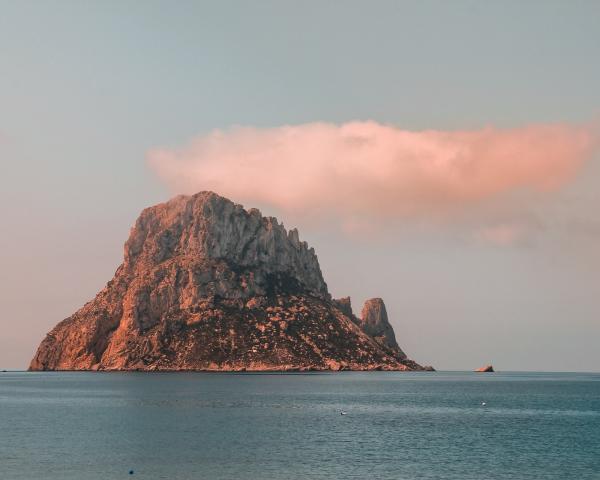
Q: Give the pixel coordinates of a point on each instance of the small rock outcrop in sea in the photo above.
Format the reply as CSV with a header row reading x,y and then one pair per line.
x,y
487,368
208,285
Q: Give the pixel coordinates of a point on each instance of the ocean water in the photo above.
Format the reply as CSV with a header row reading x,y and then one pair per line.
x,y
289,426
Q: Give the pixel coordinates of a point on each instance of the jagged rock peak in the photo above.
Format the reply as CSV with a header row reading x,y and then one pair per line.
x,y
206,226
374,321
208,285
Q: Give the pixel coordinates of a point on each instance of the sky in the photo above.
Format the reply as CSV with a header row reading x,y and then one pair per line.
x,y
440,155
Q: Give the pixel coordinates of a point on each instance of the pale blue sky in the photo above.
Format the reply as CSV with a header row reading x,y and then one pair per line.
x,y
86,88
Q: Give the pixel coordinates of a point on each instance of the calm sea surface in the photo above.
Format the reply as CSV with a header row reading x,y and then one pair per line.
x,y
227,426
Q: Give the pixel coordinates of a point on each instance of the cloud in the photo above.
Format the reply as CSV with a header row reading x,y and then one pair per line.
x,y
363,172
500,235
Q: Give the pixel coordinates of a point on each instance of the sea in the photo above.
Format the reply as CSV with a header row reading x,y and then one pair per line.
x,y
347,425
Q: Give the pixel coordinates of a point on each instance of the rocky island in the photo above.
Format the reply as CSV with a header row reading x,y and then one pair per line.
x,y
485,369
207,285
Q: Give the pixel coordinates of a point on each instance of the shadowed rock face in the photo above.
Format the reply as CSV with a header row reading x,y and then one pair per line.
x,y
345,306
208,285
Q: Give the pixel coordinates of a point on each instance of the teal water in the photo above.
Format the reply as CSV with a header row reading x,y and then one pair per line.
x,y
226,426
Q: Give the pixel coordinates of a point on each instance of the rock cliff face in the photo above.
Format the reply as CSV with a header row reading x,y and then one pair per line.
x,y
208,285
374,322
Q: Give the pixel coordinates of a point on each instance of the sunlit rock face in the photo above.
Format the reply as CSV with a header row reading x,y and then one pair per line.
x,y
208,285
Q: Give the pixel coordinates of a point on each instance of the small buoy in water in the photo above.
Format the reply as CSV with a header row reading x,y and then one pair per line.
x,y
343,413
130,472
483,404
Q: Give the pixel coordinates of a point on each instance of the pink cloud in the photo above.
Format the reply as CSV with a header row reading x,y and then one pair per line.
x,y
501,235
366,170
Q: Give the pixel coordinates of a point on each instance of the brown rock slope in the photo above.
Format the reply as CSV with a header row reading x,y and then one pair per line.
x,y
207,285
